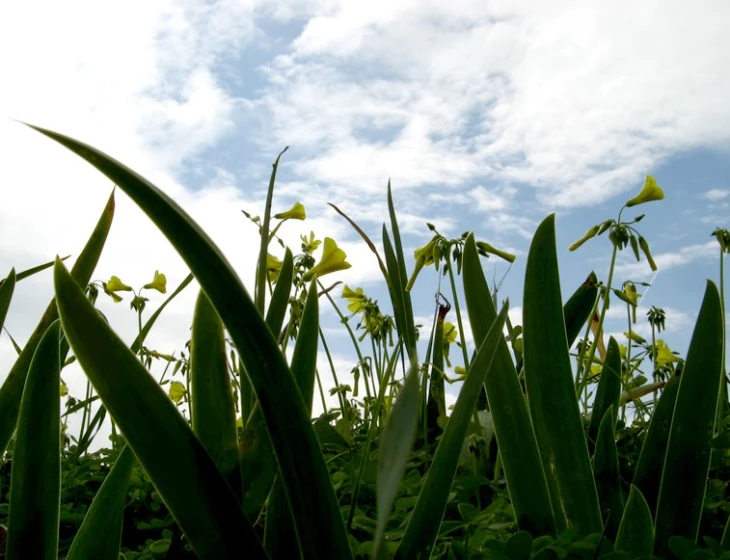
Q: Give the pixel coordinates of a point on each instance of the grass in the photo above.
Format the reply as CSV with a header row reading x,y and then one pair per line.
x,y
537,459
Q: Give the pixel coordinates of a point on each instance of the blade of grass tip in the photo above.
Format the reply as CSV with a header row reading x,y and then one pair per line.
x,y
261,273
213,413
367,240
6,295
608,391
396,442
299,457
518,449
607,475
31,271
281,539
636,532
436,401
654,448
100,534
403,279
423,527
577,310
687,462
280,298
182,471
12,389
551,392
139,341
35,478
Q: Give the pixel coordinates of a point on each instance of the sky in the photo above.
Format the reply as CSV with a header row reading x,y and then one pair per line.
x,y
486,116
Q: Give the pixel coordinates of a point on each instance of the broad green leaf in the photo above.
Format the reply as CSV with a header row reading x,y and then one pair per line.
x,y
281,539
515,436
423,527
207,511
6,295
35,479
100,534
687,462
607,475
396,442
608,391
139,341
551,393
12,389
301,465
213,412
636,532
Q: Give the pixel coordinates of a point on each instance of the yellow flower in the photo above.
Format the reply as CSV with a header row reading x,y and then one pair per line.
x,y
273,267
357,299
424,257
296,212
635,337
664,355
651,191
176,391
487,248
159,283
333,259
116,285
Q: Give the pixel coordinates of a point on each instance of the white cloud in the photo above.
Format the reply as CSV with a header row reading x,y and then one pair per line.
x,y
666,261
715,194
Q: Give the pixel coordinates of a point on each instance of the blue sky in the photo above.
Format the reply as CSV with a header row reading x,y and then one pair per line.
x,y
485,116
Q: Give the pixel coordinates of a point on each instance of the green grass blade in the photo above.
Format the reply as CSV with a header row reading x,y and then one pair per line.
x,y
687,461
182,471
301,464
551,393
280,298
213,412
423,527
436,403
396,442
608,391
100,534
12,389
31,271
139,341
35,480
281,538
654,448
577,310
6,295
515,436
607,476
636,532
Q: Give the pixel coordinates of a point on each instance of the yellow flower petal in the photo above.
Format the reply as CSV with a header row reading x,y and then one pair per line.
x,y
651,191
116,285
333,259
296,212
176,391
159,283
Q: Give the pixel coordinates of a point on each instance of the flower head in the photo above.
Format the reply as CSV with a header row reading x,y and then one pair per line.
x,y
333,259
651,191
356,298
296,212
273,267
116,285
159,283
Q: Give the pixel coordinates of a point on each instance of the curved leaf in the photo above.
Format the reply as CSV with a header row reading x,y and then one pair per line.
x,y
607,475
6,295
608,391
636,532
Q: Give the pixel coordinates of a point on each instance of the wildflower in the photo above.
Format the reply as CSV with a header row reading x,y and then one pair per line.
x,y
176,391
273,267
635,337
296,212
589,234
159,283
356,298
333,259
424,257
116,285
487,248
664,355
649,192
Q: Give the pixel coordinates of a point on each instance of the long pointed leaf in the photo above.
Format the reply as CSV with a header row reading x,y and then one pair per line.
x,y
300,460
184,474
687,462
515,436
607,476
426,518
551,393
636,532
35,479
608,391
6,295
100,534
12,389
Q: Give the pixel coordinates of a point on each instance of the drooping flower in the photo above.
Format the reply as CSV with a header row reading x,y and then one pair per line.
x,y
589,234
649,192
487,248
273,267
424,257
333,259
116,285
296,212
356,298
159,283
